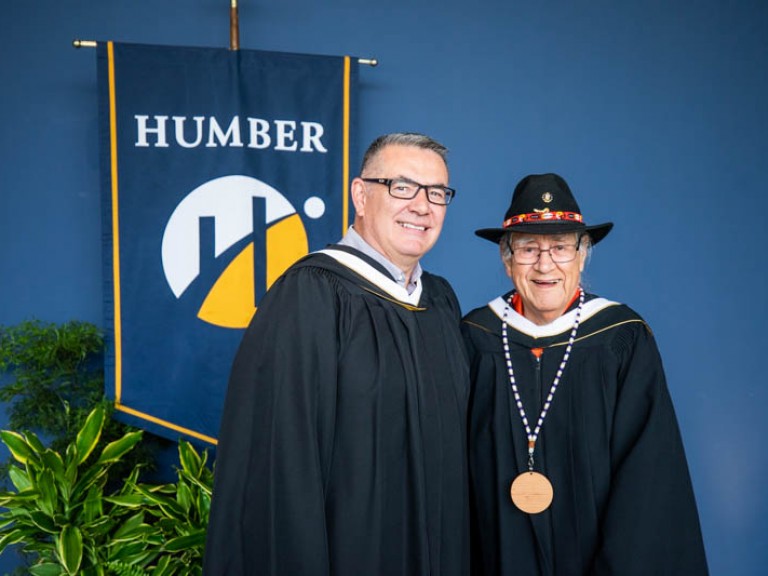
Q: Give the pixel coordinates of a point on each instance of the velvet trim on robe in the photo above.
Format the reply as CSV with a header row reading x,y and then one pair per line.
x,y
342,449
610,444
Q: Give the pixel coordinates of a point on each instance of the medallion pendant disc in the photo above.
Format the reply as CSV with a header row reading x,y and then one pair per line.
x,y
531,492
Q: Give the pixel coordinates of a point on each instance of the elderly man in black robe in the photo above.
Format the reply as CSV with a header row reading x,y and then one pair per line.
x,y
577,466
342,446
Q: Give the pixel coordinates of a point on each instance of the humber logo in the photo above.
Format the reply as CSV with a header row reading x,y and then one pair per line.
x,y
251,226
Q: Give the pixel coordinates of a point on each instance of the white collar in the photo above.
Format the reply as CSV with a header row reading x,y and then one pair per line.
x,y
374,276
557,326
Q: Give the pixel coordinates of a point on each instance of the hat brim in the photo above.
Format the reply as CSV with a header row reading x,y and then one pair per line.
x,y
596,232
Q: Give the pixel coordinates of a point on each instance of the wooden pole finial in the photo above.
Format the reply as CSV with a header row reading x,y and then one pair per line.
x,y
234,26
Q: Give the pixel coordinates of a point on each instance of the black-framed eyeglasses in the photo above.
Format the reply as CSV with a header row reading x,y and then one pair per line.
x,y
530,252
406,189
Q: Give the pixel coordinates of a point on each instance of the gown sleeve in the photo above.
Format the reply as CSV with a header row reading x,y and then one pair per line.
x,y
650,524
267,515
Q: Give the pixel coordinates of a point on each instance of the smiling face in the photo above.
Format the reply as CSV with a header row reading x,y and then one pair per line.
x,y
401,230
545,287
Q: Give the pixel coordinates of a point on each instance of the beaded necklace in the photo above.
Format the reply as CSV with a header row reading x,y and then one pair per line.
x,y
532,491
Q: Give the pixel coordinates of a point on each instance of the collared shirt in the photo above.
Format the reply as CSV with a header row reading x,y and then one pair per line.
x,y
354,240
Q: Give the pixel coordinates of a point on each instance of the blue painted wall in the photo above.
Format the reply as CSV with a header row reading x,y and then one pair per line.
x,y
655,112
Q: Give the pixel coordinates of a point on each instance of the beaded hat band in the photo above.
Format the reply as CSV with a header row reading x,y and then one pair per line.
x,y
544,204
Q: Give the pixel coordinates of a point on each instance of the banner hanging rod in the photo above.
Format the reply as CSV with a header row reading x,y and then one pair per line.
x,y
92,44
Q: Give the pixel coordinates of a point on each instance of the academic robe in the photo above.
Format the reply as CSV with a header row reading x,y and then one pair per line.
x,y
342,449
610,445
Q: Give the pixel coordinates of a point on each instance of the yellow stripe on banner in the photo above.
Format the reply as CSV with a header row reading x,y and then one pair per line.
x,y
166,424
115,223
345,177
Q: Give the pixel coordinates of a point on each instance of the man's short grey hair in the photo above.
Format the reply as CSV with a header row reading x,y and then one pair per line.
x,y
403,139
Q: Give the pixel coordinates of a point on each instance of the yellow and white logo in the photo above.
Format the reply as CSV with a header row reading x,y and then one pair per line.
x,y
230,201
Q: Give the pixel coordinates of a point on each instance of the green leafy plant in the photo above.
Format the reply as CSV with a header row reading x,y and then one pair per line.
x,y
56,376
53,378
61,516
58,512
180,513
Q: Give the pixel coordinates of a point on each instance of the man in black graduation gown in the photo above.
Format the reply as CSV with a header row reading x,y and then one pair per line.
x,y
569,402
342,446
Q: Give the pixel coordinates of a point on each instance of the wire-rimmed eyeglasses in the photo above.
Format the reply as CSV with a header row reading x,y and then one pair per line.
x,y
530,252
406,189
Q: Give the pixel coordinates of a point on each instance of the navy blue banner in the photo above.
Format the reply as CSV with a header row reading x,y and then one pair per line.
x,y
219,170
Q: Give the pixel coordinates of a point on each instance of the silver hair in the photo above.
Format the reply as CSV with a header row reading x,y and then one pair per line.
x,y
403,139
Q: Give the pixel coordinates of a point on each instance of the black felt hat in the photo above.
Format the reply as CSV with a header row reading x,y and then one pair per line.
x,y
544,204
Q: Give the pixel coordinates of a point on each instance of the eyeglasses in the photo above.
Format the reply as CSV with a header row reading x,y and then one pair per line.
x,y
406,189
529,253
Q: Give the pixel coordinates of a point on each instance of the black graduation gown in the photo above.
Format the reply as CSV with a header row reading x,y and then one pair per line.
x,y
610,444
343,441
